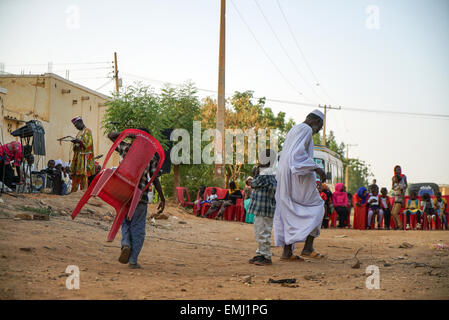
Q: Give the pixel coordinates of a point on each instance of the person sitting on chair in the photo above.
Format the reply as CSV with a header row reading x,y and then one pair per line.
x,y
412,207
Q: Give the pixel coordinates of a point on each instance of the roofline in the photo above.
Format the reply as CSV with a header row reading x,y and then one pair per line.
x,y
55,76
326,149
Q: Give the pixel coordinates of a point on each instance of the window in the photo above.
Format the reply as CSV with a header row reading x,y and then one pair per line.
x,y
319,162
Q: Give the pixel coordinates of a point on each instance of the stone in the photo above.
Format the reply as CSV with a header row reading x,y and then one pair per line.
x,y
24,216
41,217
406,245
247,279
356,265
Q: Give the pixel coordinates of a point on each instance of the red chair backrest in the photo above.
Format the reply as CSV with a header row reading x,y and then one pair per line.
x,y
127,176
221,193
180,195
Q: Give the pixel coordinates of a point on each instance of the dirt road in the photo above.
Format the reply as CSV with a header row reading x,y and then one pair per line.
x,y
185,257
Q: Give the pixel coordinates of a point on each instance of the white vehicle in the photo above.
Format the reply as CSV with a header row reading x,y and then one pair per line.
x,y
331,163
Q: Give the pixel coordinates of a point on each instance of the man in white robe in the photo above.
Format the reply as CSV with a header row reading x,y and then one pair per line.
x,y
299,207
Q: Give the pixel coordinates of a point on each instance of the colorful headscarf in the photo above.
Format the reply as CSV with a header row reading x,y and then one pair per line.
x,y
400,173
360,194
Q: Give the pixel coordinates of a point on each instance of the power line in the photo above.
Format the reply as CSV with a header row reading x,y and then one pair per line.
x,y
302,53
105,84
264,51
285,50
308,104
428,115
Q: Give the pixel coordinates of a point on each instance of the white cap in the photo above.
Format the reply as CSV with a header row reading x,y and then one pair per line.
x,y
318,113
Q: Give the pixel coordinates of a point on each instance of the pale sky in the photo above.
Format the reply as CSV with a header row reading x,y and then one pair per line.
x,y
398,62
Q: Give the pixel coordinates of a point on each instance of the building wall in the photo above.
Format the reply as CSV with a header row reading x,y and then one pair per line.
x,y
42,98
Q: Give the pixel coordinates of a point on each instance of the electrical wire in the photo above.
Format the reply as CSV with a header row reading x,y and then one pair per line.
x,y
318,83
308,104
105,84
265,52
285,51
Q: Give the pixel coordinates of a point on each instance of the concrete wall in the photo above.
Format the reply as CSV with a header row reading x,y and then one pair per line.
x,y
54,101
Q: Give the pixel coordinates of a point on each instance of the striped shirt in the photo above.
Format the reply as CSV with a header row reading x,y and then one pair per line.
x,y
263,203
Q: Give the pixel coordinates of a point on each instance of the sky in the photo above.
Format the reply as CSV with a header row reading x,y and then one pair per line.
x,y
390,55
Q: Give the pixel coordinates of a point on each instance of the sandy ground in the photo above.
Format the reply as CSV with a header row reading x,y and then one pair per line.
x,y
186,257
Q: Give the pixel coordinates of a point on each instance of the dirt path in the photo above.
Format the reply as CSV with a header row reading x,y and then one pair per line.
x,y
185,257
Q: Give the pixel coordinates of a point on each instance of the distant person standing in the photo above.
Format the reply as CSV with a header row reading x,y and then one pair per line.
x,y
83,164
399,185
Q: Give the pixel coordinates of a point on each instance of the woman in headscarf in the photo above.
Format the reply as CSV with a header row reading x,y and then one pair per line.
x,y
360,202
399,185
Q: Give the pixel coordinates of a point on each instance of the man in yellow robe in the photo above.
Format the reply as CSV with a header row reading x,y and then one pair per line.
x,y
83,164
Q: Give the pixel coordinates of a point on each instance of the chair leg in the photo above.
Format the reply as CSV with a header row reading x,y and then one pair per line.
x,y
120,216
104,177
135,200
85,196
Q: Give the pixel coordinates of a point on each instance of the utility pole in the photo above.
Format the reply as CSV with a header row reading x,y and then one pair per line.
x,y
116,73
323,138
220,126
347,165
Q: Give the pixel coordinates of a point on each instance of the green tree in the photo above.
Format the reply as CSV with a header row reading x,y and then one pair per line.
x,y
245,112
359,174
180,105
140,106
136,107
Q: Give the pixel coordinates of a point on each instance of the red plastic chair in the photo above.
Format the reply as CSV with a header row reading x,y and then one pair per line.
x,y
239,210
221,194
333,219
180,191
119,187
360,214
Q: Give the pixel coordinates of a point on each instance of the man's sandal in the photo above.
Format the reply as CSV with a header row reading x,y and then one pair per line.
x,y
292,258
313,255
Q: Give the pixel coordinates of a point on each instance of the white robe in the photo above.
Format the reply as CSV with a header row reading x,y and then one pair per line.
x,y
299,207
